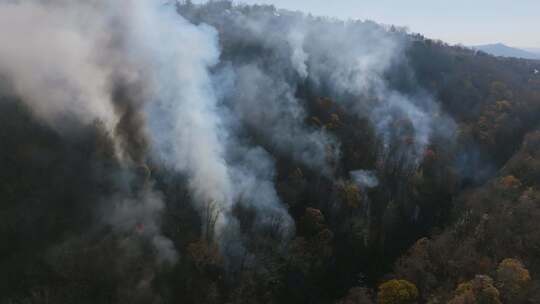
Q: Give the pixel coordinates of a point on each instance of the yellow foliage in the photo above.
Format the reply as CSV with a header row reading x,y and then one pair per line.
x,y
464,288
512,275
397,292
349,192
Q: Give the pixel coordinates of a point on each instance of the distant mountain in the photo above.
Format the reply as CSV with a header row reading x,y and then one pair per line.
x,y
532,50
503,50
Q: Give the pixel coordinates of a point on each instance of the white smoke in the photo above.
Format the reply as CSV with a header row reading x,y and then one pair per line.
x,y
146,41
60,57
347,60
299,57
265,66
351,58
48,54
186,130
365,178
268,105
253,176
202,107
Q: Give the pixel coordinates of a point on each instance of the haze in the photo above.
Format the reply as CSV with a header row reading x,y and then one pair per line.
x,y
464,22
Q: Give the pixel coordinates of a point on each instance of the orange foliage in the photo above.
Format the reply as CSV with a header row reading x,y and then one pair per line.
x,y
510,182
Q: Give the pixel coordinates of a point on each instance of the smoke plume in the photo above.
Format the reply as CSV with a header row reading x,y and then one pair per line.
x,y
145,73
209,92
273,53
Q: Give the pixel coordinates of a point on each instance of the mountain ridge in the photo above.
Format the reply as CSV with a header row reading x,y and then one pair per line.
x,y
502,50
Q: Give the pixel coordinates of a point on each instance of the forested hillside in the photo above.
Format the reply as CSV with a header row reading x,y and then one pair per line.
x,y
226,153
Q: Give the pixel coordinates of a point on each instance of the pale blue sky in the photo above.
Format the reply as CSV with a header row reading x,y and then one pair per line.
x,y
470,22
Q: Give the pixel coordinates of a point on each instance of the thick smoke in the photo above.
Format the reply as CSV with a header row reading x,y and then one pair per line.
x,y
273,53
185,126
191,133
145,73
356,76
48,53
70,62
263,73
209,94
266,104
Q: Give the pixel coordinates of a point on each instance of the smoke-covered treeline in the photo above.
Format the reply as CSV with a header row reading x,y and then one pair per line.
x,y
164,152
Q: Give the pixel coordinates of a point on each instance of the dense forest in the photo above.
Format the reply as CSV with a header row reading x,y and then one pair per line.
x,y
258,155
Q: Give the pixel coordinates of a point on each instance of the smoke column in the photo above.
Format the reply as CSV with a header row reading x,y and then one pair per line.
x,y
210,94
144,71
185,128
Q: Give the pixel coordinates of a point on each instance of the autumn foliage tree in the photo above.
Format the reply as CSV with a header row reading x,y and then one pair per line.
x,y
512,276
480,290
397,292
